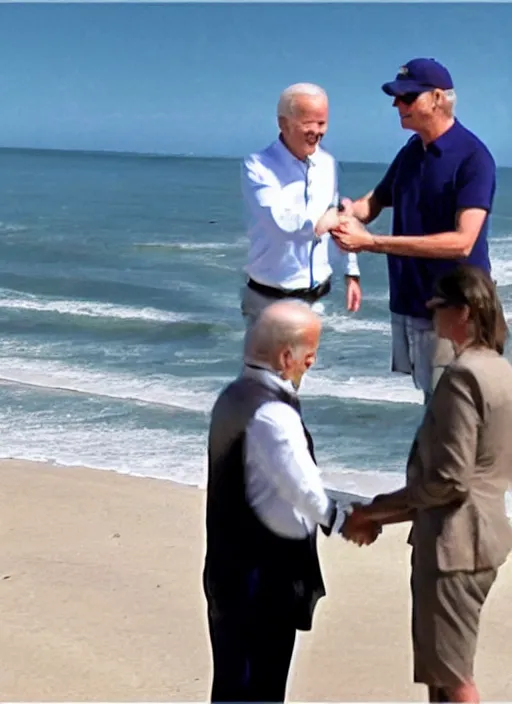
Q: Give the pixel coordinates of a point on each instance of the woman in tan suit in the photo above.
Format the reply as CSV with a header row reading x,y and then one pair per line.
x,y
459,468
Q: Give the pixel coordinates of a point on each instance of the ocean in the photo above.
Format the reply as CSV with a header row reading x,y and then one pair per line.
x,y
119,309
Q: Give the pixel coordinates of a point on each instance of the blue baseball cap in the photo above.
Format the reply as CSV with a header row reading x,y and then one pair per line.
x,y
418,76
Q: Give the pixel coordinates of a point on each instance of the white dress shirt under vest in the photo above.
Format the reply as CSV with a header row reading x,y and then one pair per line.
x,y
282,483
284,198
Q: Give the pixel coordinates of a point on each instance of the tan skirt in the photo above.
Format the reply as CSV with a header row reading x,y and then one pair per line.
x,y
445,619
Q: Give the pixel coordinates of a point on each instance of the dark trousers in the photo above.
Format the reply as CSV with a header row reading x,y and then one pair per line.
x,y
252,651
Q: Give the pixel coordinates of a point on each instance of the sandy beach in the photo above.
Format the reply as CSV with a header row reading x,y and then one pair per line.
x,y
100,579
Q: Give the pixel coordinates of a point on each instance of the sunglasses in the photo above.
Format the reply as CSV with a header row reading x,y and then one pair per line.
x,y
408,98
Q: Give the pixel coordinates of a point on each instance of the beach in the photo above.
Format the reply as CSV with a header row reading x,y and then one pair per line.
x,y
101,599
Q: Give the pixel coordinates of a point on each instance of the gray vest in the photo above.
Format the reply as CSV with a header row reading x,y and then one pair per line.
x,y
239,545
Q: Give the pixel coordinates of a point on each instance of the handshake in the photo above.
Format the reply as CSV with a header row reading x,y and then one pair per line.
x,y
358,527
348,233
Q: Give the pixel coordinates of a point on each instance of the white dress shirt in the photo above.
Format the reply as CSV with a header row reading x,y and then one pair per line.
x,y
282,483
283,200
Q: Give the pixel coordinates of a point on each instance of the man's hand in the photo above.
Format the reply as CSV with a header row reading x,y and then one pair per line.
x,y
327,222
347,207
330,220
351,236
353,293
359,529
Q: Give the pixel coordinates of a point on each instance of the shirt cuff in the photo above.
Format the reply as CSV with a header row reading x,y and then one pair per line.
x,y
337,518
351,265
332,515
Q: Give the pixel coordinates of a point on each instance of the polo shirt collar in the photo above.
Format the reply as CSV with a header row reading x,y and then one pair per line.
x,y
445,141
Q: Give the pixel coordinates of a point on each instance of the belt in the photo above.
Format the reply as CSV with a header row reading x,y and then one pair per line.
x,y
307,294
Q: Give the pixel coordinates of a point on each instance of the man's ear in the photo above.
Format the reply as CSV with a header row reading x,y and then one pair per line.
x,y
438,97
282,122
283,359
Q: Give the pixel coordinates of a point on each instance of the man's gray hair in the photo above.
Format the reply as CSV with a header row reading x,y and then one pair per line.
x,y
450,100
282,324
286,104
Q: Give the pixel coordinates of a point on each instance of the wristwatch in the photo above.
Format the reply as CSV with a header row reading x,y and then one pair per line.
x,y
340,208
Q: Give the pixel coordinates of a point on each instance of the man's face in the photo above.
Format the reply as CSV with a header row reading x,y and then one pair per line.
x,y
416,110
303,131
295,363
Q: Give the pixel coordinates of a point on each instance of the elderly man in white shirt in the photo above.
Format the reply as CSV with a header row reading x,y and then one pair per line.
x,y
265,500
286,189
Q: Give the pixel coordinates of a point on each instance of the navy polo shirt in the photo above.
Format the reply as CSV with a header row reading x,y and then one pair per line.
x,y
426,187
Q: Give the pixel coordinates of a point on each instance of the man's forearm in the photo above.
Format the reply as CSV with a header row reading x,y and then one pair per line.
x,y
387,506
363,211
399,517
445,245
367,208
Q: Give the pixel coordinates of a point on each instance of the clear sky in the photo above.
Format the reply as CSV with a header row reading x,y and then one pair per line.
x,y
205,78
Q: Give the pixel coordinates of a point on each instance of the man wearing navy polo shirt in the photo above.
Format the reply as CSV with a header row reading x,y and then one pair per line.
x,y
441,188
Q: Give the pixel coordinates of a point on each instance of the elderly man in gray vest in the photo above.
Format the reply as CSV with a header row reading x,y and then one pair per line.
x,y
265,499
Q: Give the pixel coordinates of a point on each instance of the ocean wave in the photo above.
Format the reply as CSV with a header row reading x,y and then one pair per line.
x,y
9,227
196,395
395,389
144,452
363,482
191,246
94,309
376,297
347,323
502,271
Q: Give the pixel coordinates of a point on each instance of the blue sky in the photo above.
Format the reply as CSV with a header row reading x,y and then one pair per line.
x,y
205,78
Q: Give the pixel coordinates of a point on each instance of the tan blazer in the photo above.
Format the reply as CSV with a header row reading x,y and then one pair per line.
x,y
460,466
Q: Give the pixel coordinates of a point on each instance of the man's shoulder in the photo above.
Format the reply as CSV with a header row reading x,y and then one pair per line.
x,y
247,392
261,167
411,145
472,145
411,148
235,405
325,156
264,157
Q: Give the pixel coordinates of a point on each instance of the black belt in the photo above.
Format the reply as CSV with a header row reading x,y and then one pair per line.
x,y
307,294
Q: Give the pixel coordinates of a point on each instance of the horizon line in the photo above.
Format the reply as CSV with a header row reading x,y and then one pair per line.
x,y
151,155
165,155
